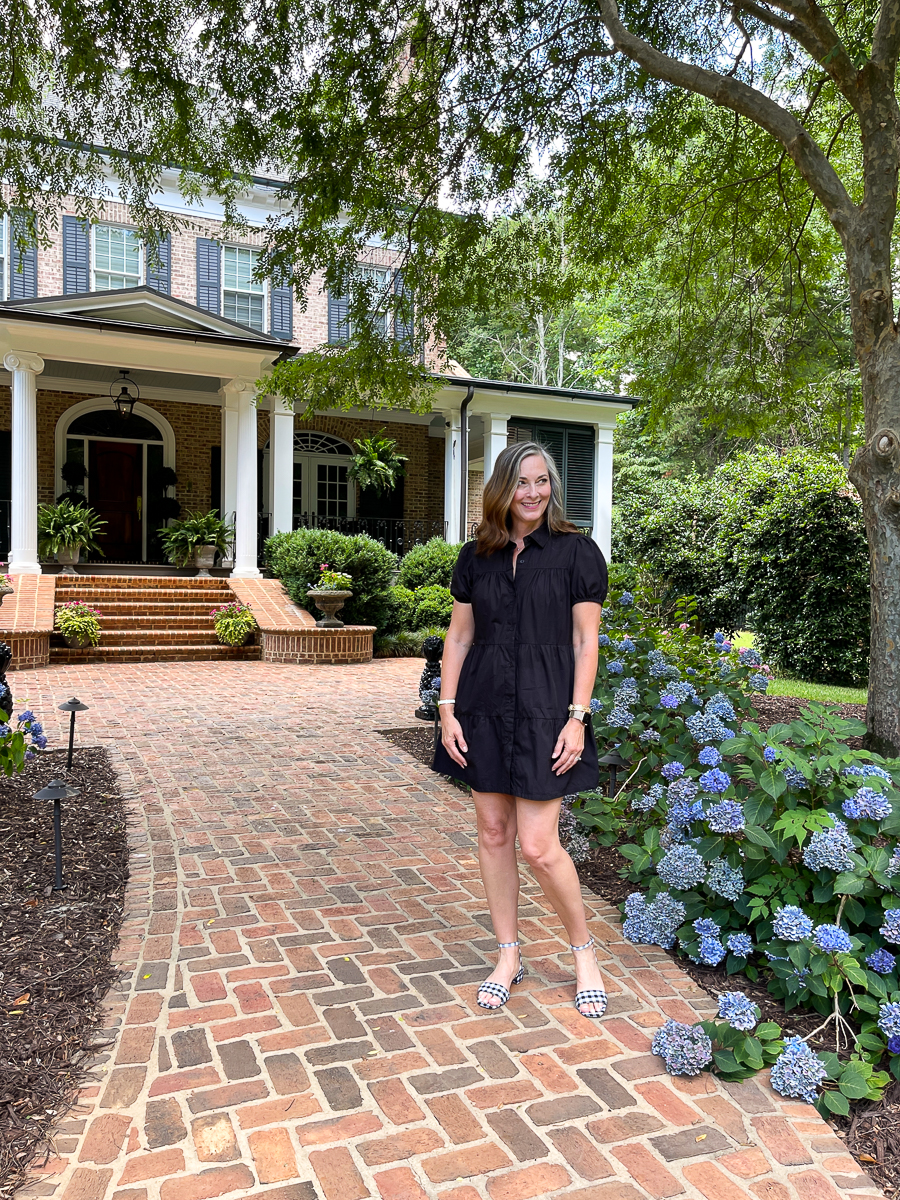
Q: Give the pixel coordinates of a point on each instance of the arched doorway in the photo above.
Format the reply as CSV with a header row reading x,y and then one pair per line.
x,y
124,460
322,491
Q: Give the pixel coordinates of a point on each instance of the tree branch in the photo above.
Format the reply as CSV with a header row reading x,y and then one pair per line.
x,y
812,30
806,154
886,39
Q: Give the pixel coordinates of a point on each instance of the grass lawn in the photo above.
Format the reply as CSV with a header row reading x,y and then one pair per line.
x,y
822,692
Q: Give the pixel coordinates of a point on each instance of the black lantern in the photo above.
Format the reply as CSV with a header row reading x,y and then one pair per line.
x,y
57,790
72,706
128,395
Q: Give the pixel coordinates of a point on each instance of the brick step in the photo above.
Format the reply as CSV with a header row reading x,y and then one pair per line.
x,y
61,655
161,621
184,583
142,635
98,596
160,610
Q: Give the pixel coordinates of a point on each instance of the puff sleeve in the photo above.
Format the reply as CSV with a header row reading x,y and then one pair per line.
x,y
461,583
589,575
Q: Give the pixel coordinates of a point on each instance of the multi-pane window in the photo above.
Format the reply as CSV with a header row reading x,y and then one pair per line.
x,y
379,282
117,258
244,298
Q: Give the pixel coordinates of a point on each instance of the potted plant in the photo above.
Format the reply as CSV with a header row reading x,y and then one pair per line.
x,y
235,623
74,473
377,463
78,624
66,528
197,539
6,584
328,594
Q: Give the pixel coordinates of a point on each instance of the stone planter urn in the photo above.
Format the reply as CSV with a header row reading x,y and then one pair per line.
x,y
204,558
77,643
67,557
329,603
5,589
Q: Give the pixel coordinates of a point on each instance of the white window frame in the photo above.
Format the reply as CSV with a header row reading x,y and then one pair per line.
x,y
6,253
384,281
264,285
105,271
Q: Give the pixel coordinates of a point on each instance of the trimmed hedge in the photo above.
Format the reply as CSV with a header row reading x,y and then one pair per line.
x,y
428,565
295,559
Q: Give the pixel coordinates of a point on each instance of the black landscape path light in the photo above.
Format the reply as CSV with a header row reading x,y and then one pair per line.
x,y
72,706
613,762
57,790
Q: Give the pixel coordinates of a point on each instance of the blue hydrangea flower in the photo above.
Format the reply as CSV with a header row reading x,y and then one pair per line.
x,y
865,770
893,1045
881,961
667,700
706,727
740,944
795,779
436,684
620,718
770,754
867,804
798,1071
626,600
758,682
683,692
644,801
718,638
715,781
39,740
649,735
683,790
672,770
894,865
889,1019
652,924
720,706
739,1011
27,715
5,730
615,668
689,671
626,646
596,706
707,927
791,924
603,640
725,880
627,694
709,757
711,951
890,930
681,868
726,817
830,848
833,939
686,1049
750,657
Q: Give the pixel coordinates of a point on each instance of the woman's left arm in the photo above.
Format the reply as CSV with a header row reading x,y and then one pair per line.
x,y
585,628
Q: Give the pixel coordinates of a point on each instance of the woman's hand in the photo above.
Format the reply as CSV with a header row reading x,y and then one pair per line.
x,y
452,738
569,746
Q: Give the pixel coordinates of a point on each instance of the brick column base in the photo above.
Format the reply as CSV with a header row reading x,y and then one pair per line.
x,y
28,649
352,644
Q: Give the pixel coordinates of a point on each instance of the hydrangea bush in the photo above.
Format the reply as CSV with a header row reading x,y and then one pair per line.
x,y
15,748
771,853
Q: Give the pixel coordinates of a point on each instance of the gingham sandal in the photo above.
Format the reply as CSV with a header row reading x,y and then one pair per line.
x,y
497,989
586,996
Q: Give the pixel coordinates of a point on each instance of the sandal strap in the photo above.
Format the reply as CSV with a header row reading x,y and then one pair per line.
x,y
587,945
506,945
590,994
495,989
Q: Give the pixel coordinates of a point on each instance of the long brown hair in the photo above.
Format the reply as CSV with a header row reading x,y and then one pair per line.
x,y
493,532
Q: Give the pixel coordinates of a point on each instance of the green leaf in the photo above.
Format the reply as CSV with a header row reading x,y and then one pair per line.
x,y
725,1060
758,836
836,1103
848,884
773,782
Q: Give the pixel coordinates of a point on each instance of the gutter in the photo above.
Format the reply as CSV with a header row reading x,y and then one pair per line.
x,y
464,459
535,389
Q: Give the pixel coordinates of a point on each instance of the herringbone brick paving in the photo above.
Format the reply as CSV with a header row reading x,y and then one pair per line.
x,y
305,933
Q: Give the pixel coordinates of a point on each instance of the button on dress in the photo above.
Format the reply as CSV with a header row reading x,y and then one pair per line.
x,y
516,682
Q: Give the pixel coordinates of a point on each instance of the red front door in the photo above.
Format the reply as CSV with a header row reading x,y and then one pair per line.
x,y
115,488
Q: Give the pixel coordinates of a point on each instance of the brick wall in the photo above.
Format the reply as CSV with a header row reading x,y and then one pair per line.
x,y
476,488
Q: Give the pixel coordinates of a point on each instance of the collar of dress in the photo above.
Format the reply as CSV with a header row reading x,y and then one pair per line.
x,y
540,536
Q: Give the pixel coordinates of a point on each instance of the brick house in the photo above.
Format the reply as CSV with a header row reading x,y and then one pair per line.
x,y
188,331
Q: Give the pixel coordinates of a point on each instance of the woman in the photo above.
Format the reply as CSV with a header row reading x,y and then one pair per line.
x,y
516,679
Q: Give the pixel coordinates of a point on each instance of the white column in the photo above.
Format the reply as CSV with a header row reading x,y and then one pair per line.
x,y
229,454
452,430
495,434
23,542
281,466
603,489
243,394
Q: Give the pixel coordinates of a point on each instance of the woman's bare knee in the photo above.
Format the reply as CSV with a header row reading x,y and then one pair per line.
x,y
543,854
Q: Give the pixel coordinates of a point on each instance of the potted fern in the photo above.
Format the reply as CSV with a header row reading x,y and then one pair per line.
x,y
377,463
197,539
65,529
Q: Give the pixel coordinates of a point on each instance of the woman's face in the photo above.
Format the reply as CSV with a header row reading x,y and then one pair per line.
x,y
533,492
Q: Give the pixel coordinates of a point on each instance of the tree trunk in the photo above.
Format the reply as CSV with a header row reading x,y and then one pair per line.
x,y
875,472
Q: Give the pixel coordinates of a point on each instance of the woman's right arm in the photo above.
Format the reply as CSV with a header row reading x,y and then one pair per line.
x,y
459,640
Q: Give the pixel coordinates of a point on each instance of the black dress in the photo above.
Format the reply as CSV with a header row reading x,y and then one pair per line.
x,y
515,687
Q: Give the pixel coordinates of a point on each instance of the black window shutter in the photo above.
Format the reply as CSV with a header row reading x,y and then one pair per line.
x,y
22,261
158,266
579,476
338,317
76,255
281,317
209,275
404,316
554,438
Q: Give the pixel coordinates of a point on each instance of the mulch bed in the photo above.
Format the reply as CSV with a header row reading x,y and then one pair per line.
x,y
872,1131
55,947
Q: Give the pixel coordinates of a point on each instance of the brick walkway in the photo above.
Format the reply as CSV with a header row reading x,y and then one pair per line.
x,y
305,933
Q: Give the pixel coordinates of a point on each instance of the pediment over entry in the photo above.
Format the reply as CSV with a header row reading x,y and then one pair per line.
x,y
138,306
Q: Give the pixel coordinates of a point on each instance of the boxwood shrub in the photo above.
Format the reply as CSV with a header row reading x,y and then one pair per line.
x,y
295,558
430,564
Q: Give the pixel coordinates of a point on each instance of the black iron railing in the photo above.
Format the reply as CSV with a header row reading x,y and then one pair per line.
x,y
396,533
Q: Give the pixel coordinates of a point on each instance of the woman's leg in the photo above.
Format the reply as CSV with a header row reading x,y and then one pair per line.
x,y
538,826
495,815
